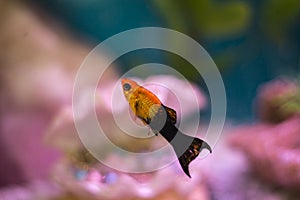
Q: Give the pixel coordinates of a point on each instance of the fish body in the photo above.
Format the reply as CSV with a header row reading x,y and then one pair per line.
x,y
162,119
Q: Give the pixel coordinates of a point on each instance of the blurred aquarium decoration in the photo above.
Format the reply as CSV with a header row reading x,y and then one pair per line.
x,y
255,45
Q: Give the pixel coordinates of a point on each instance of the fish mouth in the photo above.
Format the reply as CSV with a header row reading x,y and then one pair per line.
x,y
125,80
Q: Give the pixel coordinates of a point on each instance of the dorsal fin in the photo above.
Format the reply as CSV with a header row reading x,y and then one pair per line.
x,y
171,114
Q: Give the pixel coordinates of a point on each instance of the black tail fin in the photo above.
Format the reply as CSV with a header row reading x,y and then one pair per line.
x,y
191,152
187,148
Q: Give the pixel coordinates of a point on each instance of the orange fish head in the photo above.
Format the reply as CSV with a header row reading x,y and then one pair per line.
x,y
129,86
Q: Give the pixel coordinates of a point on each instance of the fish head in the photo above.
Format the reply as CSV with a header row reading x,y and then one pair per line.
x,y
128,86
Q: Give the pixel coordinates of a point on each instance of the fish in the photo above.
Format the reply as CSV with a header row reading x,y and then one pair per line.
x,y
162,119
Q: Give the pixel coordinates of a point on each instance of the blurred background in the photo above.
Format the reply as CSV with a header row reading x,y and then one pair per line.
x,y
255,44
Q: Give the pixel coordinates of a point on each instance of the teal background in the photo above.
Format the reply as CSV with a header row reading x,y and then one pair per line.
x,y
251,42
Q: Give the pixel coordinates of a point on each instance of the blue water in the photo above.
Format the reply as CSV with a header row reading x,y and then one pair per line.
x,y
254,58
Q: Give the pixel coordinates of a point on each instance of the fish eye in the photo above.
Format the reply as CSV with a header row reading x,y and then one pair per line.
x,y
126,87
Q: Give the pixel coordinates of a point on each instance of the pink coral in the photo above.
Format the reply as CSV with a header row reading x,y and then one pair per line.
x,y
97,184
38,68
273,151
